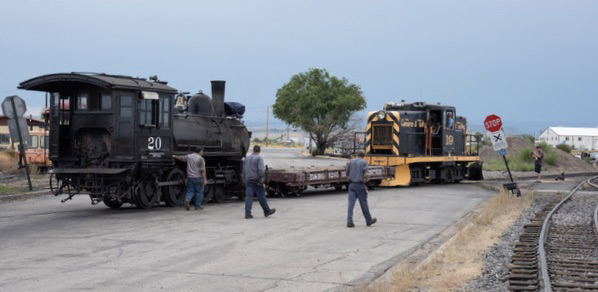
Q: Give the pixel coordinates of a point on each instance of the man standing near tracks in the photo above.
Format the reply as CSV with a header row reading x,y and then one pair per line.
x,y
196,177
539,156
356,173
254,173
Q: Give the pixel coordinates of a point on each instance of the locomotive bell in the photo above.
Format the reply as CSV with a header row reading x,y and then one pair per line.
x,y
180,102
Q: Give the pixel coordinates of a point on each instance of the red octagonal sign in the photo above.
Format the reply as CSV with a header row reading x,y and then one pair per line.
x,y
493,123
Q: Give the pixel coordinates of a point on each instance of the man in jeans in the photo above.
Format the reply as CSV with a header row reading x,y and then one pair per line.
x,y
356,173
196,177
539,157
254,173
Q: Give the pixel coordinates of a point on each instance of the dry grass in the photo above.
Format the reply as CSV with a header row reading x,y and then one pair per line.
x,y
8,161
460,259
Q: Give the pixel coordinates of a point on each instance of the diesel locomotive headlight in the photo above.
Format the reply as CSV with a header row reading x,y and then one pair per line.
x,y
381,115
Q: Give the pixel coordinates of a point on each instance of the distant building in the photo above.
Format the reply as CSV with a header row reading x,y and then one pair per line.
x,y
578,138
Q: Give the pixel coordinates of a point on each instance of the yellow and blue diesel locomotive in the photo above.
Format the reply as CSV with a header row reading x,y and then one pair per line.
x,y
424,142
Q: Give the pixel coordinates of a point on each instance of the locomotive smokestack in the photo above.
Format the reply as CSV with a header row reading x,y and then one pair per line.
x,y
218,97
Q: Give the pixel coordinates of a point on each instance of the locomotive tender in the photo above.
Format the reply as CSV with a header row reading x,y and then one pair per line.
x,y
112,137
424,142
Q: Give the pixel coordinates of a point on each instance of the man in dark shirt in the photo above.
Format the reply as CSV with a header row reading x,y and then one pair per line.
x,y
356,173
539,157
254,173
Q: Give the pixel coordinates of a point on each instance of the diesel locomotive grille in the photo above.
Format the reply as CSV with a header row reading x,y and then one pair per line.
x,y
382,136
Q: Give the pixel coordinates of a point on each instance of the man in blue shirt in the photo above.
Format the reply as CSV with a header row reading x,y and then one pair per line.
x,y
254,173
356,173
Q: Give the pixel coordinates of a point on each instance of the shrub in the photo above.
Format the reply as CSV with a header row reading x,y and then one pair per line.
x,y
525,155
564,147
550,157
531,138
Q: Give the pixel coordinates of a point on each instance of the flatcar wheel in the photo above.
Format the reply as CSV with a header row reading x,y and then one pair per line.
x,y
338,188
282,191
175,194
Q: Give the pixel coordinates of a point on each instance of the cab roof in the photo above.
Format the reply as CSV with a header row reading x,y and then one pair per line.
x,y
54,82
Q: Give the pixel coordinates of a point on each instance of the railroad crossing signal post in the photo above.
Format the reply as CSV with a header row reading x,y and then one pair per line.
x,y
14,108
493,124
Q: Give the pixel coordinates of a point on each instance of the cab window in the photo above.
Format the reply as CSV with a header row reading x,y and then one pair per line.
x,y
33,142
450,120
106,103
164,110
44,142
82,101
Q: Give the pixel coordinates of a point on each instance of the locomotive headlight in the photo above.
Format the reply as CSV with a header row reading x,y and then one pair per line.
x,y
381,115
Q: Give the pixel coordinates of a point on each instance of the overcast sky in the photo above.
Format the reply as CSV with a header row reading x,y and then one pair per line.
x,y
531,62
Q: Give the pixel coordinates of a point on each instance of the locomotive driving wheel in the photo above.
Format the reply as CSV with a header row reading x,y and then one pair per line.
x,y
54,183
219,194
173,195
147,193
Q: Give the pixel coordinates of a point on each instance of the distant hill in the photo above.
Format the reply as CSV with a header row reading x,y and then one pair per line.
x,y
509,131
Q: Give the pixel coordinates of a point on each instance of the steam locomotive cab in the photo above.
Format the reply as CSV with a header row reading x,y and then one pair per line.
x,y
110,136
425,143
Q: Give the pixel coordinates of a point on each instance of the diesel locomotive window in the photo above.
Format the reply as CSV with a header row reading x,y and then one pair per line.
x,y
164,110
126,106
33,142
44,142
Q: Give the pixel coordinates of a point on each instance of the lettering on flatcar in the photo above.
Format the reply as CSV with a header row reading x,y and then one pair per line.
x,y
375,171
317,176
333,174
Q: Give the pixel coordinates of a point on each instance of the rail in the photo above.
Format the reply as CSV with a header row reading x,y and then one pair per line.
x,y
544,236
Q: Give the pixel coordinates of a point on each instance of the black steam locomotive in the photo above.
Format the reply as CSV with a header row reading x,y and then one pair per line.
x,y
113,137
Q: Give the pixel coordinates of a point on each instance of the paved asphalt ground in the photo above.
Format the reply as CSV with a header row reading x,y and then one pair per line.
x,y
305,246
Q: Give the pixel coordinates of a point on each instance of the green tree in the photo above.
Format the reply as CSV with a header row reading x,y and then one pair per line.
x,y
320,104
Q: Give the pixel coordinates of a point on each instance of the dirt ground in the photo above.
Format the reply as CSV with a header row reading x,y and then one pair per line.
x,y
566,162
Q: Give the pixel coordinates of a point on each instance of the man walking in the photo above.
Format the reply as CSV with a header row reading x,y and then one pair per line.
x,y
254,173
356,173
539,156
196,177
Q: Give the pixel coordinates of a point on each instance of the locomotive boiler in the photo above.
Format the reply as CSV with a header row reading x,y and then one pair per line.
x,y
423,142
112,137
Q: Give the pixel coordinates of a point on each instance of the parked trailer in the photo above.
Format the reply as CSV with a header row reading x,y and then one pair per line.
x,y
285,182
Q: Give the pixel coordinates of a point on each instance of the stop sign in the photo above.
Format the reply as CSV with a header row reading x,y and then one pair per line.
x,y
493,123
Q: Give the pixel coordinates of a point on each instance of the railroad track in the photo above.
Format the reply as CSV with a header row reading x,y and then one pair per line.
x,y
558,249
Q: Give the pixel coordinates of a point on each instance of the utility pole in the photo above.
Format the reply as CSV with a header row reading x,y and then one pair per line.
x,y
267,113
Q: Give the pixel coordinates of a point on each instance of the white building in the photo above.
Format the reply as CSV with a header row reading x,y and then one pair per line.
x,y
578,138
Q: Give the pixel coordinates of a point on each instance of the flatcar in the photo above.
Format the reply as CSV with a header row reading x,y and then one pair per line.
x,y
112,137
424,142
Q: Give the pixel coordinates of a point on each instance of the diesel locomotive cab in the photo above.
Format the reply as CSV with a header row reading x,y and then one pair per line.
x,y
424,142
110,135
